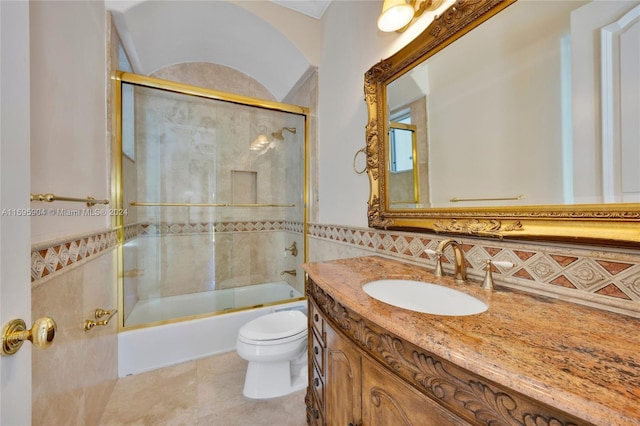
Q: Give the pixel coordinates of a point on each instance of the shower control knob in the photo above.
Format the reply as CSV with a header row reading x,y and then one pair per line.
x,y
15,332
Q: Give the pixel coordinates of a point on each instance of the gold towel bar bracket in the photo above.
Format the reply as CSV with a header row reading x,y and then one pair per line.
x,y
49,198
99,313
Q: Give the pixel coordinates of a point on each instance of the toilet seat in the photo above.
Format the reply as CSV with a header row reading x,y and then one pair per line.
x,y
281,326
273,342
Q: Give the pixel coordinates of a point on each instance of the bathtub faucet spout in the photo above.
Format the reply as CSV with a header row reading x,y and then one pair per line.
x,y
290,272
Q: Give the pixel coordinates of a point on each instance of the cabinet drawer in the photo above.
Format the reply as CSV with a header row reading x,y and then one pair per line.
x,y
317,384
317,352
317,321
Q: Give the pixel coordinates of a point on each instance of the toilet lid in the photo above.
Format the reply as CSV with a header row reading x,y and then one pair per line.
x,y
277,325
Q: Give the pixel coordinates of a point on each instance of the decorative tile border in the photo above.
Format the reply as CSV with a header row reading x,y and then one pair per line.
x,y
132,231
54,257
606,279
165,228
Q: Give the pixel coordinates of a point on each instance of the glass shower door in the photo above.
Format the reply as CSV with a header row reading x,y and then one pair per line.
x,y
214,192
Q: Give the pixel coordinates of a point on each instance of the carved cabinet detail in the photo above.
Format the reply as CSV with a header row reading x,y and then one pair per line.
x,y
387,400
360,375
354,390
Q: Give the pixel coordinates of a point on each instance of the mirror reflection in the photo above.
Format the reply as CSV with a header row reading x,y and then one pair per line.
x,y
403,170
537,106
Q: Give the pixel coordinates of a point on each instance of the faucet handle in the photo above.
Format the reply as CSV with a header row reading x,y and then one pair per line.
x,y
487,284
438,255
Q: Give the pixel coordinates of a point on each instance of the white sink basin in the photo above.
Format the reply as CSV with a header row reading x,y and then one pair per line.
x,y
424,297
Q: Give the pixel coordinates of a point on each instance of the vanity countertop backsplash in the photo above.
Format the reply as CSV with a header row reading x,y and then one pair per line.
x,y
581,360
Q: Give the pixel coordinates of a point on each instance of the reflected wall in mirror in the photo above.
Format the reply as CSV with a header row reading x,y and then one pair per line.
x,y
525,117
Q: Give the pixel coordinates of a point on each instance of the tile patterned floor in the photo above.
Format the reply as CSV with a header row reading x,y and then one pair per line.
x,y
205,392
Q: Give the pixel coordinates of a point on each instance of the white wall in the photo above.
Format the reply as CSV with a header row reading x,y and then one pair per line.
x,y
352,44
69,148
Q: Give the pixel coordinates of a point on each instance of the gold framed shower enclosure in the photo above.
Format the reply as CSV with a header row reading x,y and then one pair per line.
x,y
117,192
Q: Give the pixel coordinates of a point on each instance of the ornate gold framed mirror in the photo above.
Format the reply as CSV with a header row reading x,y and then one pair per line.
x,y
524,113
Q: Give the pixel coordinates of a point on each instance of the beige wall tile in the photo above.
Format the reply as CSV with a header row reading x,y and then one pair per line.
x,y
72,379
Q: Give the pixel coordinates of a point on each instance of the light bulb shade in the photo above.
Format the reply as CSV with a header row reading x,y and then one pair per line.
x,y
395,15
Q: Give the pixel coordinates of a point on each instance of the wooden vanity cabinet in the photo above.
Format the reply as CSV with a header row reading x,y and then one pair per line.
x,y
342,381
388,400
355,390
360,375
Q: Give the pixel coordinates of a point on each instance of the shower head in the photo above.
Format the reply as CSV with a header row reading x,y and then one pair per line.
x,y
278,133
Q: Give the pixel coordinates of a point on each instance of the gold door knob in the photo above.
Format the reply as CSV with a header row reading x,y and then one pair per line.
x,y
15,332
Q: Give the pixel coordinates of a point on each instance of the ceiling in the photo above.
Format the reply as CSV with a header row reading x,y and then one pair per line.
x,y
313,8
157,34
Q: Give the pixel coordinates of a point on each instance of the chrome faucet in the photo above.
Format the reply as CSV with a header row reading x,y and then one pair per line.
x,y
290,272
460,273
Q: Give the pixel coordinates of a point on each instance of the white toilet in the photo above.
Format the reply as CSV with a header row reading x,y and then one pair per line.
x,y
276,347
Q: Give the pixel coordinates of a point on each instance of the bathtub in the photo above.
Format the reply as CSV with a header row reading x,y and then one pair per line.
x,y
167,308
149,348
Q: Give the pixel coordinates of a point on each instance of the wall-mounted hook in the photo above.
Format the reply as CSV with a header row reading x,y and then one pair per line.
x,y
99,313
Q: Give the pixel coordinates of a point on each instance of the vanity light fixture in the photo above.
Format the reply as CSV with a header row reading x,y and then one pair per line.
x,y
397,15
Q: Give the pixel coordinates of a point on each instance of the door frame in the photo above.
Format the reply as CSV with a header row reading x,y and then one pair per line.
x,y
15,223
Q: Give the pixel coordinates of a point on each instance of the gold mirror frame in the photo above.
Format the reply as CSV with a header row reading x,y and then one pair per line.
x,y
607,224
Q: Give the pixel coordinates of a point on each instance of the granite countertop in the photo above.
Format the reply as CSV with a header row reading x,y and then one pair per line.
x,y
581,360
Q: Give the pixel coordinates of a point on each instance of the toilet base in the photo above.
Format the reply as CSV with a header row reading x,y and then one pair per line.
x,y
273,379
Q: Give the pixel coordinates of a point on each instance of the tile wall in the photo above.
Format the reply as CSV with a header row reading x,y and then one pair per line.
x,y
604,278
73,379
